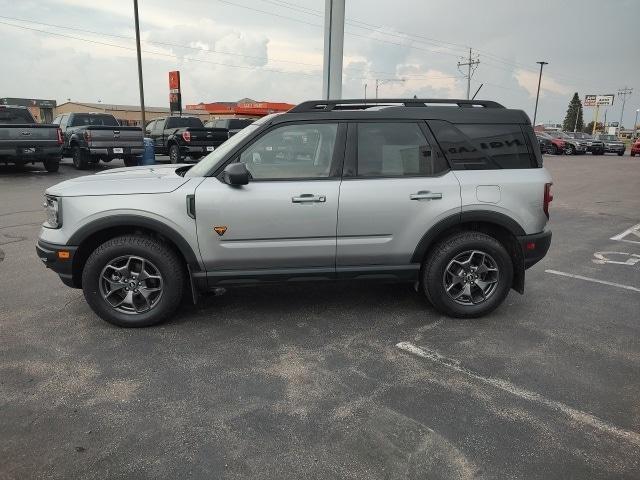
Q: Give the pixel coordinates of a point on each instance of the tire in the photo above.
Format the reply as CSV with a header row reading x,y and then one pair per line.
x,y
632,154
481,250
553,150
620,154
174,154
122,257
51,165
570,150
80,158
130,161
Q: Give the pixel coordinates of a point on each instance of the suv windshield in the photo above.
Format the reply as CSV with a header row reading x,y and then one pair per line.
x,y
81,119
178,122
208,162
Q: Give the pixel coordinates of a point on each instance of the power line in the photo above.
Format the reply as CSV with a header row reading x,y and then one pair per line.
x,y
471,64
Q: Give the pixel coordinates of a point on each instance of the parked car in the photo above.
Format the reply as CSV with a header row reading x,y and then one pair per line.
x,y
91,137
635,147
180,137
594,146
23,141
545,144
572,146
558,144
612,144
232,125
453,200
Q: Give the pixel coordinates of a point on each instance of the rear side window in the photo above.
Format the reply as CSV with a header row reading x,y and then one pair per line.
x,y
396,150
81,119
15,116
179,122
484,147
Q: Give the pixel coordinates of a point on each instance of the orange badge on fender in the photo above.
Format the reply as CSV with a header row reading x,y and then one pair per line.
x,y
220,229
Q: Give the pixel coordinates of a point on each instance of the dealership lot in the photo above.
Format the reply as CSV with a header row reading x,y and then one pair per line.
x,y
325,381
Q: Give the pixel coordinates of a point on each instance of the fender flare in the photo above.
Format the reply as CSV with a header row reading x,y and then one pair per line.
x,y
133,221
484,216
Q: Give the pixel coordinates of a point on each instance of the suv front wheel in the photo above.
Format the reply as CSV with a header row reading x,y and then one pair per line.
x,y
467,275
133,281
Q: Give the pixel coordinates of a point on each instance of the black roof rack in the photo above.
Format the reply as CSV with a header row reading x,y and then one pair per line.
x,y
362,104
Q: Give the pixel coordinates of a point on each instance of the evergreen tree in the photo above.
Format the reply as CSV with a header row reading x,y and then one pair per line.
x,y
575,109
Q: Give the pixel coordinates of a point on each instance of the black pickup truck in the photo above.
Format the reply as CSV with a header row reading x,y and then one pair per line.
x,y
91,137
179,137
23,141
231,125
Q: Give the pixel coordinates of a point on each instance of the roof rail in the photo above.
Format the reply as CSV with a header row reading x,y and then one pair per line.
x,y
362,104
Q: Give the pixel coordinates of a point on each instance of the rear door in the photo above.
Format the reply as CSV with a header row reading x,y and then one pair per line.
x,y
396,185
284,221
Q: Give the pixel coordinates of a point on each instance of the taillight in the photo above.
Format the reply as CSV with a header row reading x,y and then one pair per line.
x,y
87,135
59,132
186,136
548,198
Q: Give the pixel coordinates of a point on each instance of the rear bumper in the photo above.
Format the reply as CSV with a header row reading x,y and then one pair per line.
x,y
204,149
49,254
28,154
109,151
534,247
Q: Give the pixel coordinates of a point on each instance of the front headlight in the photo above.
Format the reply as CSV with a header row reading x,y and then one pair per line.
x,y
53,207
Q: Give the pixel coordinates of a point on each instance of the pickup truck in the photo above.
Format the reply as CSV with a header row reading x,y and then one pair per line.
x,y
23,141
232,125
91,137
179,137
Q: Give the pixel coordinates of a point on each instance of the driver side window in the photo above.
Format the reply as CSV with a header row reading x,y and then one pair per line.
x,y
292,151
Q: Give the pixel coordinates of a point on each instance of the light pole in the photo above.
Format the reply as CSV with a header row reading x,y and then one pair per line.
x,y
535,112
137,23
387,80
635,123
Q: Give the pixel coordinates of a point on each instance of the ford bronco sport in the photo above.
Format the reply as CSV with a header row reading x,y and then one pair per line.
x,y
449,195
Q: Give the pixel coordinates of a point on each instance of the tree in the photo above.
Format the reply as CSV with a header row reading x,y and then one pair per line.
x,y
589,127
574,110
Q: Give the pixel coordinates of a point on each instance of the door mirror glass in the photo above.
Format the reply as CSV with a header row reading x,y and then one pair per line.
x,y
235,174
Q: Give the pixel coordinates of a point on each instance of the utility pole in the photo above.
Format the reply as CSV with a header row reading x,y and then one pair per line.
x,y
365,93
535,112
333,49
635,123
135,16
382,81
471,64
623,92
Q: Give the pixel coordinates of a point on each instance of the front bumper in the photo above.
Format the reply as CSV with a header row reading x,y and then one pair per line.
x,y
614,148
535,247
53,257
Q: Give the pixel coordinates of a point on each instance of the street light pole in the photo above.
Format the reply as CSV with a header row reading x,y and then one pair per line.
x,y
635,123
535,112
135,15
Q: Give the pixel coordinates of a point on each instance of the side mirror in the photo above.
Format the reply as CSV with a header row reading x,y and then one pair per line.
x,y
235,174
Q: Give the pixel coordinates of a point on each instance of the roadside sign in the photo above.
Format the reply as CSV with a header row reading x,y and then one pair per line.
x,y
598,100
175,96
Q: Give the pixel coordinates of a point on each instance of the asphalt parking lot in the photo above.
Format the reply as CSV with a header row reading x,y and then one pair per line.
x,y
323,381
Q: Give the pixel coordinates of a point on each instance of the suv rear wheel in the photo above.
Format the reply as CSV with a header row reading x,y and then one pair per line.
x,y
467,275
133,281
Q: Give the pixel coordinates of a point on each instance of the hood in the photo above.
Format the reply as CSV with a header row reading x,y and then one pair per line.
x,y
122,181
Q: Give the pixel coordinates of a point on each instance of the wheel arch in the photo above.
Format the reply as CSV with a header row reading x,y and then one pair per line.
x,y
93,234
498,225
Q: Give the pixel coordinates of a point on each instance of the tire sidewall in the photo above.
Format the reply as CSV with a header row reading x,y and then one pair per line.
x,y
174,157
172,282
434,271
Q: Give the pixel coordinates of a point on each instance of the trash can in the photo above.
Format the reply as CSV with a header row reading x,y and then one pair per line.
x,y
149,154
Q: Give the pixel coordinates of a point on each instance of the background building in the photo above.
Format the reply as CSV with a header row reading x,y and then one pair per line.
x,y
42,110
244,108
126,114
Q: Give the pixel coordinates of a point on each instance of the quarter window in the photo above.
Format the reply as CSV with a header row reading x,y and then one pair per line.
x,y
396,150
292,151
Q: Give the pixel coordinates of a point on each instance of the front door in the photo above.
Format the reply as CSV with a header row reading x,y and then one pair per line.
x,y
396,186
284,221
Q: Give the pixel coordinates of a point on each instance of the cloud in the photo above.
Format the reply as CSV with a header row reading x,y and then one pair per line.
x,y
529,81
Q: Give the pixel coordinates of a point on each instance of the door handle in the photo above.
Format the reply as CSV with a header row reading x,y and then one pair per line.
x,y
309,198
425,195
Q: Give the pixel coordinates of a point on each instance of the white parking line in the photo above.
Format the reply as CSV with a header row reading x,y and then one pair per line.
x,y
594,280
635,230
575,415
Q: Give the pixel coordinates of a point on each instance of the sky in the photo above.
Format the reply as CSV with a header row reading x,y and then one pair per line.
x,y
272,50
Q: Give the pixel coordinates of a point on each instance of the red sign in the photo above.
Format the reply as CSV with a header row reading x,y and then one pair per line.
x,y
174,80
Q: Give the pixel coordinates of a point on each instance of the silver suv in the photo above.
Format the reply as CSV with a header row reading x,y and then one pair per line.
x,y
449,195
